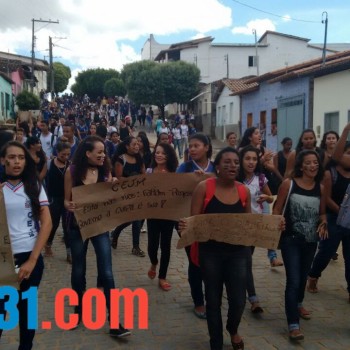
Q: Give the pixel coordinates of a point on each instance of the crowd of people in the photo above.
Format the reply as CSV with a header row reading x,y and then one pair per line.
x,y
78,143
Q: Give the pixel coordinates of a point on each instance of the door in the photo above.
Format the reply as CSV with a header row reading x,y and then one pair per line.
x,y
290,119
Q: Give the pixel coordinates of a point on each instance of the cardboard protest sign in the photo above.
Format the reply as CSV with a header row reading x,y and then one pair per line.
x,y
8,276
241,229
103,206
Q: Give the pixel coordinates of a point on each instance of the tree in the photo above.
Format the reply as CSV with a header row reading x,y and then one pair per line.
x,y
26,100
62,75
114,87
160,84
92,81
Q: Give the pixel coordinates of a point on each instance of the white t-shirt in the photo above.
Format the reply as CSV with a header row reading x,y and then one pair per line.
x,y
184,130
46,144
177,133
254,188
23,229
164,130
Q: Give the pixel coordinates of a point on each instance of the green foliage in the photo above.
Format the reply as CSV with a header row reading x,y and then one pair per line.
x,y
114,87
92,81
27,101
160,84
62,75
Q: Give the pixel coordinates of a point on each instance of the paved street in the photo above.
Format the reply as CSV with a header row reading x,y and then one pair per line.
x,y
172,324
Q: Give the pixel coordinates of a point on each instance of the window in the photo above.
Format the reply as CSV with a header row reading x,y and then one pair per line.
x,y
249,120
263,119
2,104
274,116
349,116
331,121
231,114
252,61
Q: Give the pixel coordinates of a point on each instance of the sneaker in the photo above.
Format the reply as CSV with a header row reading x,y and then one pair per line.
x,y
138,252
304,314
120,332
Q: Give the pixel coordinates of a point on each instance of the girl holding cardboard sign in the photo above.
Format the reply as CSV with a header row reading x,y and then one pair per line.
x,y
160,231
223,263
26,204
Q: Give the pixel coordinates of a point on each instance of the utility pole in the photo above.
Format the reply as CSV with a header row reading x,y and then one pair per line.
x,y
227,66
32,83
51,65
195,59
325,37
256,53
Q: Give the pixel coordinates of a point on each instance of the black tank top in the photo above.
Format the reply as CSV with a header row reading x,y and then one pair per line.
x,y
282,162
338,187
217,207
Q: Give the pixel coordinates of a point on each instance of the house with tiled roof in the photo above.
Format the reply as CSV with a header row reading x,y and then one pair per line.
x,y
6,99
312,94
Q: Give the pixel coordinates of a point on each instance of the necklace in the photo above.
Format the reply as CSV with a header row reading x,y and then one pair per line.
x,y
92,170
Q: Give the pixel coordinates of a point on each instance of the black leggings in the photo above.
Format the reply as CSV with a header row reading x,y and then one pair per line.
x,y
57,212
160,233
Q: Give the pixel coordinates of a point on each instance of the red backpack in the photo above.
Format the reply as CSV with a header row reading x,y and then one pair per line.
x,y
209,194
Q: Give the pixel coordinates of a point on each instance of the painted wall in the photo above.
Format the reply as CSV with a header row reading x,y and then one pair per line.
x,y
227,114
266,99
331,94
5,94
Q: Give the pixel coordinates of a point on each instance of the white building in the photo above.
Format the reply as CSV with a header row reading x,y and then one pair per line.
x,y
233,61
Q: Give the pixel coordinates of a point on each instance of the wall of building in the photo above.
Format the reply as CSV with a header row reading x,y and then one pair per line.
x,y
266,99
227,114
331,94
5,99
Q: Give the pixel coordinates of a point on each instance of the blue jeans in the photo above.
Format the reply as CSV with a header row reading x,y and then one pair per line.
x,y
177,144
26,335
224,267
329,246
297,257
102,246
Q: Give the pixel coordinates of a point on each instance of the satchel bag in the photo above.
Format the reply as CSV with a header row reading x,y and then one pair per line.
x,y
343,218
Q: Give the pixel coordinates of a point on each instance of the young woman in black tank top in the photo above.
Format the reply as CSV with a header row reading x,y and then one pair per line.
x,y
127,162
305,208
223,263
336,181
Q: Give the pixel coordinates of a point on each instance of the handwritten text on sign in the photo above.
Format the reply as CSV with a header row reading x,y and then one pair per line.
x,y
241,229
103,206
8,276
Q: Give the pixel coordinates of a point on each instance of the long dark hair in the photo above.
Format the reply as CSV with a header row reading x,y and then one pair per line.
x,y
31,183
122,150
246,136
81,162
145,142
241,175
297,172
205,140
323,142
33,140
171,160
299,146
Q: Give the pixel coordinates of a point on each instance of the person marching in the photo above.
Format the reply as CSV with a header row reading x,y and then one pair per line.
x,y
26,205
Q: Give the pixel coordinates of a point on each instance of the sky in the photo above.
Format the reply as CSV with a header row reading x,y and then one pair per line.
x,y
111,33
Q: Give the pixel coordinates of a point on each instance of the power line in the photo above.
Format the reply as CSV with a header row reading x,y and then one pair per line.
x,y
273,14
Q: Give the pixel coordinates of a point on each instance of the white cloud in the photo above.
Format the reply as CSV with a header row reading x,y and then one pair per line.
x,y
286,18
260,25
96,30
